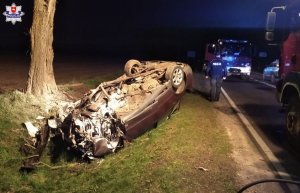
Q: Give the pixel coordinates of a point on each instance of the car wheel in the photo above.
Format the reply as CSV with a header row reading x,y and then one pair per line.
x,y
293,122
132,67
177,77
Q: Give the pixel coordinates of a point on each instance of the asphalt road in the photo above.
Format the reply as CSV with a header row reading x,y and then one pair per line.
x,y
257,102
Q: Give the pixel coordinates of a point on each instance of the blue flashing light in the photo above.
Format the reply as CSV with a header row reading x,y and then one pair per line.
x,y
229,58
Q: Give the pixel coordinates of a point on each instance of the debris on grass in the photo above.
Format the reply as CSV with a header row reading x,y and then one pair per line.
x,y
202,168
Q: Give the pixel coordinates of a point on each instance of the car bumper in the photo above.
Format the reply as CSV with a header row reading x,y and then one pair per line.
x,y
238,71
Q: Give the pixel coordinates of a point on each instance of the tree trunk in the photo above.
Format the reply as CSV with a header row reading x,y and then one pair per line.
x,y
41,79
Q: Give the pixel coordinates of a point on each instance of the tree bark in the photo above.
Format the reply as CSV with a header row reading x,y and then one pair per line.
x,y
41,79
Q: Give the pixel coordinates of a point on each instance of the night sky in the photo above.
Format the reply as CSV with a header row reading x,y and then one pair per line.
x,y
134,27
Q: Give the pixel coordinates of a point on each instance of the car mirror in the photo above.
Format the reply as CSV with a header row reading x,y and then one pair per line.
x,y
270,23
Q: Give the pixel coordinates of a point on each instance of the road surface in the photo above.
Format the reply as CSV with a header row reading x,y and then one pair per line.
x,y
257,102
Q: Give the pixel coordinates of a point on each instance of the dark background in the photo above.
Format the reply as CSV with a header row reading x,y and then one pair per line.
x,y
156,29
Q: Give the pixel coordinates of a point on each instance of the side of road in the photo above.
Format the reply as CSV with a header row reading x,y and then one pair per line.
x,y
251,165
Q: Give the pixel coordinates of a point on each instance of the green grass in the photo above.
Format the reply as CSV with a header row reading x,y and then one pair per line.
x,y
164,159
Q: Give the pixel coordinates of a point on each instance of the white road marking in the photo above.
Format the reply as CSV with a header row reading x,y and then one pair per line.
x,y
265,83
262,146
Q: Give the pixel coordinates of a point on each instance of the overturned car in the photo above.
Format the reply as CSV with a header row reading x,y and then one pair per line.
x,y
115,111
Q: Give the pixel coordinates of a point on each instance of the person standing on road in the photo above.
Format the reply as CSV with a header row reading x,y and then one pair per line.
x,y
216,70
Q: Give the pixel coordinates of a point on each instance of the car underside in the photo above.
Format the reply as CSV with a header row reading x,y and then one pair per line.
x,y
113,112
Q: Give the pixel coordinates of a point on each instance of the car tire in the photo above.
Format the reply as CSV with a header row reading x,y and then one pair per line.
x,y
132,67
177,77
293,123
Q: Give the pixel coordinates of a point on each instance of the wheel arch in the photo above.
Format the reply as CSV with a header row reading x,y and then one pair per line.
x,y
289,90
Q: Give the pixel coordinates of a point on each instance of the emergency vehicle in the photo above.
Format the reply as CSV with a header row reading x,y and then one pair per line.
x,y
283,27
236,54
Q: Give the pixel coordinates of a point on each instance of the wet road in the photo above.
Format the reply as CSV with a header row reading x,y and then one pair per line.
x,y
258,103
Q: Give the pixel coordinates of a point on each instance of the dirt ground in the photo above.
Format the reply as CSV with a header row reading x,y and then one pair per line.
x,y
251,165
14,69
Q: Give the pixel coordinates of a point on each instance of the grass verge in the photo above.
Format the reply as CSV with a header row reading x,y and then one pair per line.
x,y
165,159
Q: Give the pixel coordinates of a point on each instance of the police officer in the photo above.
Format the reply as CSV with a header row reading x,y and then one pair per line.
x,y
216,70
